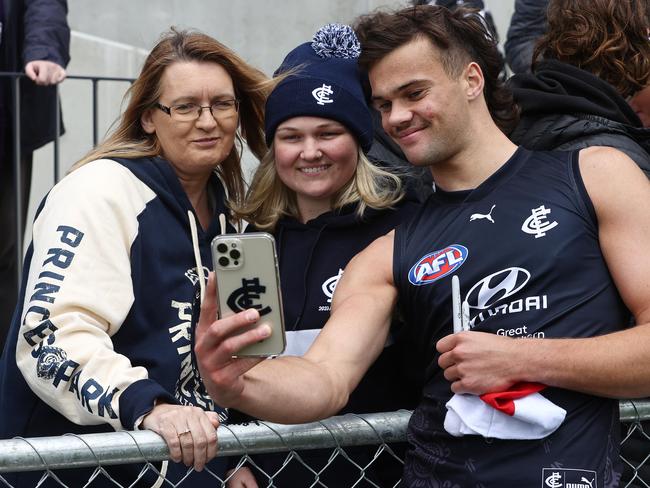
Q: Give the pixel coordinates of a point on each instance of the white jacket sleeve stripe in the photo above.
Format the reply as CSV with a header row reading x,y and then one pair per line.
x,y
79,291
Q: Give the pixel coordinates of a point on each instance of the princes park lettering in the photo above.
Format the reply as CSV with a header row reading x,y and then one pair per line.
x,y
52,363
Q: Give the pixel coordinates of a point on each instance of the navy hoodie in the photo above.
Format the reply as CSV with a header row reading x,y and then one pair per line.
x,y
565,108
108,306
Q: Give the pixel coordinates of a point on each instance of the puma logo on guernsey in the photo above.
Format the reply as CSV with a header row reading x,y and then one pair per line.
x,y
487,216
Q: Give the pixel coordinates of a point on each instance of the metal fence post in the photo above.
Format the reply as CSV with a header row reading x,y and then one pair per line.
x,y
57,133
95,113
17,178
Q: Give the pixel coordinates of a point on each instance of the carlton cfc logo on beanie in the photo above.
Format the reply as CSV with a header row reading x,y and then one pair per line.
x,y
322,94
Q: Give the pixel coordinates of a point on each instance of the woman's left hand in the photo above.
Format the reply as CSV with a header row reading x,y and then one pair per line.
x,y
190,432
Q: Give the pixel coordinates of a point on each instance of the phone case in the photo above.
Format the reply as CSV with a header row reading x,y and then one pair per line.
x,y
246,270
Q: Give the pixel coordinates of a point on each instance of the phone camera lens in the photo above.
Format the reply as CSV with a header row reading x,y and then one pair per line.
x,y
236,263
224,261
222,248
235,254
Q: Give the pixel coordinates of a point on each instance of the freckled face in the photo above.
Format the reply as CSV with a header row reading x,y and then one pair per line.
x,y
315,158
194,147
422,108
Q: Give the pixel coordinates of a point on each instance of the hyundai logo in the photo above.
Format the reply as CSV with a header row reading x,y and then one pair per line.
x,y
491,289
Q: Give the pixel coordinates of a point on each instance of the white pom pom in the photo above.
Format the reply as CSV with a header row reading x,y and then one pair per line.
x,y
336,41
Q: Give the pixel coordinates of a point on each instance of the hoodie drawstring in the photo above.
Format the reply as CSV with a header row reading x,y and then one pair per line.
x,y
197,252
197,249
222,224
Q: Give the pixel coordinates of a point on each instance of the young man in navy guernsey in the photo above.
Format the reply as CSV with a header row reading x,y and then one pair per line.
x,y
548,249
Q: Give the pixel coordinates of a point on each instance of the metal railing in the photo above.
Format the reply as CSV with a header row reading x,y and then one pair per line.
x,y
16,141
77,451
98,451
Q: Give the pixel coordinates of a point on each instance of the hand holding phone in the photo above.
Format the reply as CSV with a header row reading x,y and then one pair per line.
x,y
214,343
247,276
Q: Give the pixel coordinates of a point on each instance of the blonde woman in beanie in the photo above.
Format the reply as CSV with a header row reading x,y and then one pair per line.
x,y
321,198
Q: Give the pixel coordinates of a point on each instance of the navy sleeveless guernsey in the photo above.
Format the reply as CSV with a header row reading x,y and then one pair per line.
x,y
524,245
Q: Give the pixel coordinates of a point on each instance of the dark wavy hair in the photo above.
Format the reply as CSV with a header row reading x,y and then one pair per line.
x,y
460,35
608,38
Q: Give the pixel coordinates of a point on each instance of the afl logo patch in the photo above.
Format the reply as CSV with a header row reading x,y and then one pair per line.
x,y
438,264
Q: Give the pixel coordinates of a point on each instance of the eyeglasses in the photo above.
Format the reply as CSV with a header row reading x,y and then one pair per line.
x,y
187,112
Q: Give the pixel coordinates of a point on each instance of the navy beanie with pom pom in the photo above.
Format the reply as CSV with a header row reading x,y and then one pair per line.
x,y
324,81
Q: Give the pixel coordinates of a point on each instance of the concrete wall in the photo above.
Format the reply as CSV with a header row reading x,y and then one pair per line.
x,y
261,31
112,38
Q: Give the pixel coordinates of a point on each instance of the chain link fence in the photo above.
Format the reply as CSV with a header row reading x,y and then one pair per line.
x,y
635,443
340,435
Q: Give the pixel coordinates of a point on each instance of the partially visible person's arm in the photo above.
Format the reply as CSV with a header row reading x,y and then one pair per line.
x,y
317,385
527,25
46,44
241,478
612,365
45,72
79,292
640,103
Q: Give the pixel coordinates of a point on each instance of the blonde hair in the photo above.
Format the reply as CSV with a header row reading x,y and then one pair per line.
x,y
129,140
268,199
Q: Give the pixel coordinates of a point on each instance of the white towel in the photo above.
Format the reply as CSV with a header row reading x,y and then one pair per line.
x,y
531,416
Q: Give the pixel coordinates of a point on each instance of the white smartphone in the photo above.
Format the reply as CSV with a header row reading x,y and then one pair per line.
x,y
246,270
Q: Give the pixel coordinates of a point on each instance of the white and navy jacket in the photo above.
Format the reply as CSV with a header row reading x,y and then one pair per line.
x,y
109,301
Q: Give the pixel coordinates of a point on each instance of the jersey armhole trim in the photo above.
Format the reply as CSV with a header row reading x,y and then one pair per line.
x,y
587,206
398,251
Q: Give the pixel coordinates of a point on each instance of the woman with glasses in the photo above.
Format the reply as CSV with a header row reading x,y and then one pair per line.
x,y
321,198
102,338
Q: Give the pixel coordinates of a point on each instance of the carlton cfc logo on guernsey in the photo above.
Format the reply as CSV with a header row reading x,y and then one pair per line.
x,y
438,264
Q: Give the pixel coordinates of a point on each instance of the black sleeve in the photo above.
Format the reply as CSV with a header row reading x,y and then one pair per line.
x,y
47,34
237,417
527,25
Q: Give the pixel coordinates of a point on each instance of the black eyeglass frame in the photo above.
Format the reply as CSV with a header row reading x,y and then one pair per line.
x,y
168,110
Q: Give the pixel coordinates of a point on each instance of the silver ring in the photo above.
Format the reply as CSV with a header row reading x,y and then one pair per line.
x,y
188,431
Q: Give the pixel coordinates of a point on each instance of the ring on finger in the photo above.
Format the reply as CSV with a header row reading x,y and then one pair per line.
x,y
188,431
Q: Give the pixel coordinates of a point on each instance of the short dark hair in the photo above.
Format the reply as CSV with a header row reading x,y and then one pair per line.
x,y
460,36
608,38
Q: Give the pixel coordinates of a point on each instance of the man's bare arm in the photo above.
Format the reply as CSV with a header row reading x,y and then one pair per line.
x,y
302,389
613,365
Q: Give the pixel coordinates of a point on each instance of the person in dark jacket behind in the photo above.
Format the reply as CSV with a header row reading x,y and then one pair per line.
x,y
36,38
324,202
584,69
527,25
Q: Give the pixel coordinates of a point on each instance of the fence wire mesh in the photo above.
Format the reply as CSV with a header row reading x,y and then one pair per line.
x,y
339,440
